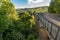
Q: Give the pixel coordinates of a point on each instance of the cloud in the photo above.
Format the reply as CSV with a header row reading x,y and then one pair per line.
x,y
35,3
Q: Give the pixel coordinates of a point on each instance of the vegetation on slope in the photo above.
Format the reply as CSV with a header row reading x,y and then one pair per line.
x,y
16,26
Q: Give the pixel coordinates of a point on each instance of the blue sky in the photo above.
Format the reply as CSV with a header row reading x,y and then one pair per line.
x,y
19,2
30,3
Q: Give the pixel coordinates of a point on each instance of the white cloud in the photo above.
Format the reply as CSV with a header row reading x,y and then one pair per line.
x,y
35,3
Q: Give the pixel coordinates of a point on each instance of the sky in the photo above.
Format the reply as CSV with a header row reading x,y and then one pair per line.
x,y
30,3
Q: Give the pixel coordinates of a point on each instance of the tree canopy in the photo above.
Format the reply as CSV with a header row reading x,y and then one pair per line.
x,y
15,26
54,6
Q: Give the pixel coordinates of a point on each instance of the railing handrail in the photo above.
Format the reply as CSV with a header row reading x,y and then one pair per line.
x,y
53,26
51,21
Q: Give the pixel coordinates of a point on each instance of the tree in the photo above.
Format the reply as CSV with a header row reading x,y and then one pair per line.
x,y
57,6
5,18
54,6
12,28
51,7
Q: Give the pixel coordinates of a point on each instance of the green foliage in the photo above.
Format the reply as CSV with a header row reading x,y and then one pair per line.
x,y
4,16
13,26
20,29
4,20
13,35
31,37
51,8
55,6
